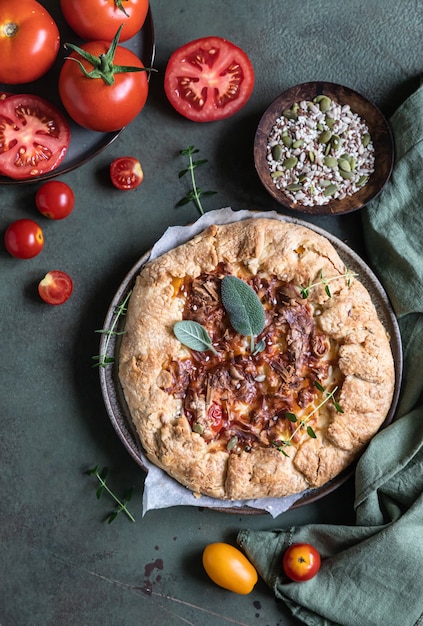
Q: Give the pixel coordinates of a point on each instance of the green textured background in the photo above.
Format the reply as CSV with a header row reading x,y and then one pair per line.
x,y
60,564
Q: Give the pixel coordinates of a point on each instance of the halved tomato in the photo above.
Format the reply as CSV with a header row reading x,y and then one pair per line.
x,y
56,287
34,136
126,173
208,79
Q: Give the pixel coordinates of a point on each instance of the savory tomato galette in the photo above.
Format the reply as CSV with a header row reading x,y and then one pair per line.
x,y
253,361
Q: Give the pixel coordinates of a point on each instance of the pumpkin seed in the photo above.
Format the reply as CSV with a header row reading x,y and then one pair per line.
x,y
197,428
330,161
311,156
362,180
232,443
344,165
346,175
290,163
365,139
298,143
287,141
277,152
290,114
276,174
330,189
325,136
336,141
294,186
329,121
325,104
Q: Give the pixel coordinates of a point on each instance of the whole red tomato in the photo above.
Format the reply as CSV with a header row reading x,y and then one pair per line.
x,y
98,104
99,19
29,41
55,200
208,79
24,239
301,562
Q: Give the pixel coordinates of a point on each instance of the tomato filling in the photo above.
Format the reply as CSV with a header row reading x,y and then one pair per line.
x,y
240,399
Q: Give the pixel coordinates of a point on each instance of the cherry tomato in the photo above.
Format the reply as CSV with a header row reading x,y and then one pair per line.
x,y
96,105
56,287
34,136
99,19
208,79
215,416
24,239
29,41
126,173
55,200
229,568
301,562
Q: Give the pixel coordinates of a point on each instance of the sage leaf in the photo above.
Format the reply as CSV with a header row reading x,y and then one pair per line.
x,y
193,335
243,306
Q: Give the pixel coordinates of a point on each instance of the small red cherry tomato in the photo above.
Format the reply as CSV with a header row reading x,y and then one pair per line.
x,y
208,79
56,287
301,562
229,568
24,239
126,173
55,200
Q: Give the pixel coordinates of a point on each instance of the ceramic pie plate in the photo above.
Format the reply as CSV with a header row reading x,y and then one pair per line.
x,y
118,410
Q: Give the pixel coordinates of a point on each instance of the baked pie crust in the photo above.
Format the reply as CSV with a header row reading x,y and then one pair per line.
x,y
244,425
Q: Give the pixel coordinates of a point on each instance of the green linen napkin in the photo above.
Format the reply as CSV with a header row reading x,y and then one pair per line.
x,y
372,572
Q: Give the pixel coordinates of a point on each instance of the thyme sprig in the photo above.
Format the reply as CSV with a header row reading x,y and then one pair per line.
x,y
281,445
305,291
103,359
101,476
196,192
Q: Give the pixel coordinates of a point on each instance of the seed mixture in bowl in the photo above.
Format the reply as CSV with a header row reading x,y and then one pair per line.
x,y
319,150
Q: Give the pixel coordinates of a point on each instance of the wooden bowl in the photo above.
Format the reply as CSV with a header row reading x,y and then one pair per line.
x,y
379,130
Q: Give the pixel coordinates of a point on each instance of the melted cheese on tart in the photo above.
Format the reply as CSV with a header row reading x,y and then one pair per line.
x,y
240,400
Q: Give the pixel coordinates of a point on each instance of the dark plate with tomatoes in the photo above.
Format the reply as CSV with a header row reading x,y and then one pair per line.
x,y
84,144
110,345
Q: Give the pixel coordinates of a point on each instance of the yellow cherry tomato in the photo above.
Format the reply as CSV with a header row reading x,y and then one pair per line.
x,y
229,568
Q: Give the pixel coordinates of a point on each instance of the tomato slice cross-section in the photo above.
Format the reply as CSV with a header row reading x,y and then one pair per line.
x,y
34,136
208,79
56,287
126,173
